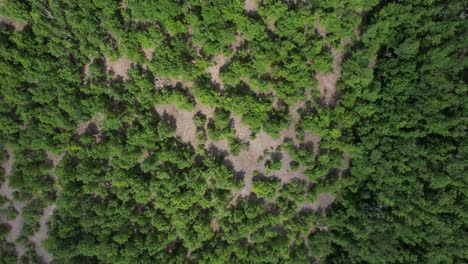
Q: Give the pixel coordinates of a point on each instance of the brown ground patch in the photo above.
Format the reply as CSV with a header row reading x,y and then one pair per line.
x,y
315,139
55,158
372,63
243,131
86,69
250,5
41,234
324,200
97,119
214,225
119,67
148,53
327,81
18,26
238,43
219,61
17,223
184,121
320,29
345,161
186,129
271,25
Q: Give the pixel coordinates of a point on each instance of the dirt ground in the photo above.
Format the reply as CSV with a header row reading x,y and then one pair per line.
x,y
327,81
250,5
86,69
16,24
119,67
17,223
148,53
219,61
324,200
41,235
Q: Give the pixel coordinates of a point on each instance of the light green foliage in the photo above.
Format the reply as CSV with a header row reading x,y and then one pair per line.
x,y
128,191
266,187
274,163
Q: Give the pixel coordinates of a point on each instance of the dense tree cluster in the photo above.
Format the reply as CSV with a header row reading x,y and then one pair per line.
x,y
80,82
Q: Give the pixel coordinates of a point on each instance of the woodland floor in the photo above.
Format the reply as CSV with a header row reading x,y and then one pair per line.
x,y
245,163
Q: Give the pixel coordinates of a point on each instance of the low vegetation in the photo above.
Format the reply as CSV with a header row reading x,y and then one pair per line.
x,y
298,131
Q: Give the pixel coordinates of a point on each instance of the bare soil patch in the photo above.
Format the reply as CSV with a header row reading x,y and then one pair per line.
x,y
243,131
238,43
184,121
219,61
148,53
186,128
41,235
86,69
320,29
327,81
271,25
119,67
18,26
250,5
17,223
324,200
315,139
214,225
97,119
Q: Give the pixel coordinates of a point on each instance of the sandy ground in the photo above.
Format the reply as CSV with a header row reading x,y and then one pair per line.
x,y
148,53
320,29
315,139
184,121
17,223
86,70
119,67
243,131
219,61
38,238
324,200
97,119
271,25
186,128
16,25
41,234
327,81
250,5
238,43
214,225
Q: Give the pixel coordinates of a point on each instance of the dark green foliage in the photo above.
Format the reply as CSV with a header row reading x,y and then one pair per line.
x,y
404,202
9,212
127,190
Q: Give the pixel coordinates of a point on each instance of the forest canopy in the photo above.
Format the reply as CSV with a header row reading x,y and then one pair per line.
x,y
249,131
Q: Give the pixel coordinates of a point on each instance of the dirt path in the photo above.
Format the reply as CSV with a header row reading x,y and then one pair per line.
x,y
186,128
219,61
250,5
324,200
97,119
246,161
41,234
327,81
86,70
17,223
119,67
148,53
